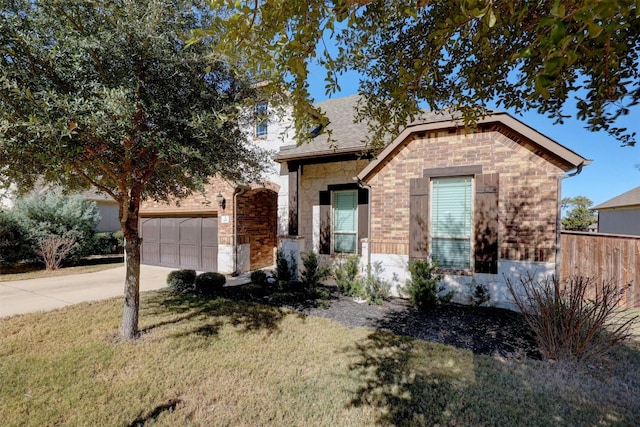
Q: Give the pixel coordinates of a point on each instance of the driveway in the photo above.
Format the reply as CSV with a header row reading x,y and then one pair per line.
x,y
26,296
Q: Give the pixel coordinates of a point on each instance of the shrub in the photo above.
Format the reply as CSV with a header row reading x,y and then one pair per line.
x,y
259,277
55,214
285,266
577,319
346,275
424,287
181,280
53,249
376,288
478,294
313,273
105,243
210,282
14,241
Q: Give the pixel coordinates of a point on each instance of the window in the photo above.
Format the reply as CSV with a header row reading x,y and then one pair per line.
x,y
261,119
451,213
345,221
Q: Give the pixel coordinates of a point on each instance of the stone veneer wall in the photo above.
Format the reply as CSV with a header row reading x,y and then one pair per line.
x,y
316,178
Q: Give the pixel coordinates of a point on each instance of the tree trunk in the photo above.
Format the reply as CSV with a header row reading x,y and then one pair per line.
x,y
129,328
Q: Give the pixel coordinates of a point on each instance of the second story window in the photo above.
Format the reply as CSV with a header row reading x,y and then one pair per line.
x,y
261,120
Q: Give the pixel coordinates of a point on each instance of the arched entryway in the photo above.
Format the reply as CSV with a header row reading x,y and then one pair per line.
x,y
257,219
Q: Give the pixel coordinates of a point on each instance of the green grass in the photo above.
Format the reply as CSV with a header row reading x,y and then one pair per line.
x,y
30,271
227,363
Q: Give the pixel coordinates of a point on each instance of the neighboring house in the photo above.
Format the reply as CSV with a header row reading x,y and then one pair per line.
x,y
108,209
230,227
483,203
620,215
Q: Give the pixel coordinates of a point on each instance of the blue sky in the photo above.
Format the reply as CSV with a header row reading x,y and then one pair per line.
x,y
614,170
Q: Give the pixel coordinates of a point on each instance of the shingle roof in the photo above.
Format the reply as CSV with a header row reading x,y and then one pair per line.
x,y
630,198
347,136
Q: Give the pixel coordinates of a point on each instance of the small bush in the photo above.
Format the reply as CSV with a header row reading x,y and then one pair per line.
x,y
285,266
346,275
259,277
106,243
478,294
14,240
376,288
209,283
577,319
313,273
424,287
181,280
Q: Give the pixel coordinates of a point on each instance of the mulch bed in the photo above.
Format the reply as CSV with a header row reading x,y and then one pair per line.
x,y
483,330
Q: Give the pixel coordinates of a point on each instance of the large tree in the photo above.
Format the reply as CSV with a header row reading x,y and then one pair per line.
x,y
548,55
578,216
104,94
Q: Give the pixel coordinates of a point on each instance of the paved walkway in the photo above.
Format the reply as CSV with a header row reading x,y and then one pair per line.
x,y
26,296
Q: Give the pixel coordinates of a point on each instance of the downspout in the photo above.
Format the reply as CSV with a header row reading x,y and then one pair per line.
x,y
559,214
236,193
361,184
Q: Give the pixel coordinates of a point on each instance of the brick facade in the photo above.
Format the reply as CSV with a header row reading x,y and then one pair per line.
x,y
257,225
528,190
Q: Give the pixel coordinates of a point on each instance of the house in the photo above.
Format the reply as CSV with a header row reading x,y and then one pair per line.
x,y
108,209
230,227
620,215
484,203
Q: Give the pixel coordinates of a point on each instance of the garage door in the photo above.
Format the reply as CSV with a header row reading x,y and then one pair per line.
x,y
180,242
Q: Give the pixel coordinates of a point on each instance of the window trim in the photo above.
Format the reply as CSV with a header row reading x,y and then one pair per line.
x,y
470,238
353,232
261,122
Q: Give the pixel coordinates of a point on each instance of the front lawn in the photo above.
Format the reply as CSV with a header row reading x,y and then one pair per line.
x,y
234,363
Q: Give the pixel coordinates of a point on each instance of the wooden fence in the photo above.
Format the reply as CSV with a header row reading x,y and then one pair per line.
x,y
605,257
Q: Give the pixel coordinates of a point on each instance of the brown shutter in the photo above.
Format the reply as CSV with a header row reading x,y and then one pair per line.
x,y
419,218
363,216
325,222
486,224
293,201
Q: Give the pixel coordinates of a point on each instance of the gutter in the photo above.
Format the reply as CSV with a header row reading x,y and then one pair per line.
x,y
559,212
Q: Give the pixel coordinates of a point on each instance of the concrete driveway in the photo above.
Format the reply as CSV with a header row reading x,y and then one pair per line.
x,y
26,296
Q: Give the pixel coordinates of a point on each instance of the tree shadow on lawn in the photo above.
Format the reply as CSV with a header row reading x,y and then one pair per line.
x,y
410,382
212,312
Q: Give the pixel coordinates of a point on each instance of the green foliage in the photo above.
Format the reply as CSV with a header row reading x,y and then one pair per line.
x,y
181,281
313,273
425,288
14,240
105,243
444,53
376,288
286,266
577,319
105,95
346,275
259,277
579,217
209,283
53,214
478,294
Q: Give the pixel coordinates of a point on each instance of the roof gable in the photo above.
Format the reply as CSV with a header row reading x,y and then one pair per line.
x,y
630,198
559,154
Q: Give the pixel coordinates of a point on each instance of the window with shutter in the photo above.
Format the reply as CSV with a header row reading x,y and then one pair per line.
x,y
451,219
345,221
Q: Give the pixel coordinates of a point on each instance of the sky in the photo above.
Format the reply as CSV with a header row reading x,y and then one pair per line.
x,y
613,171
